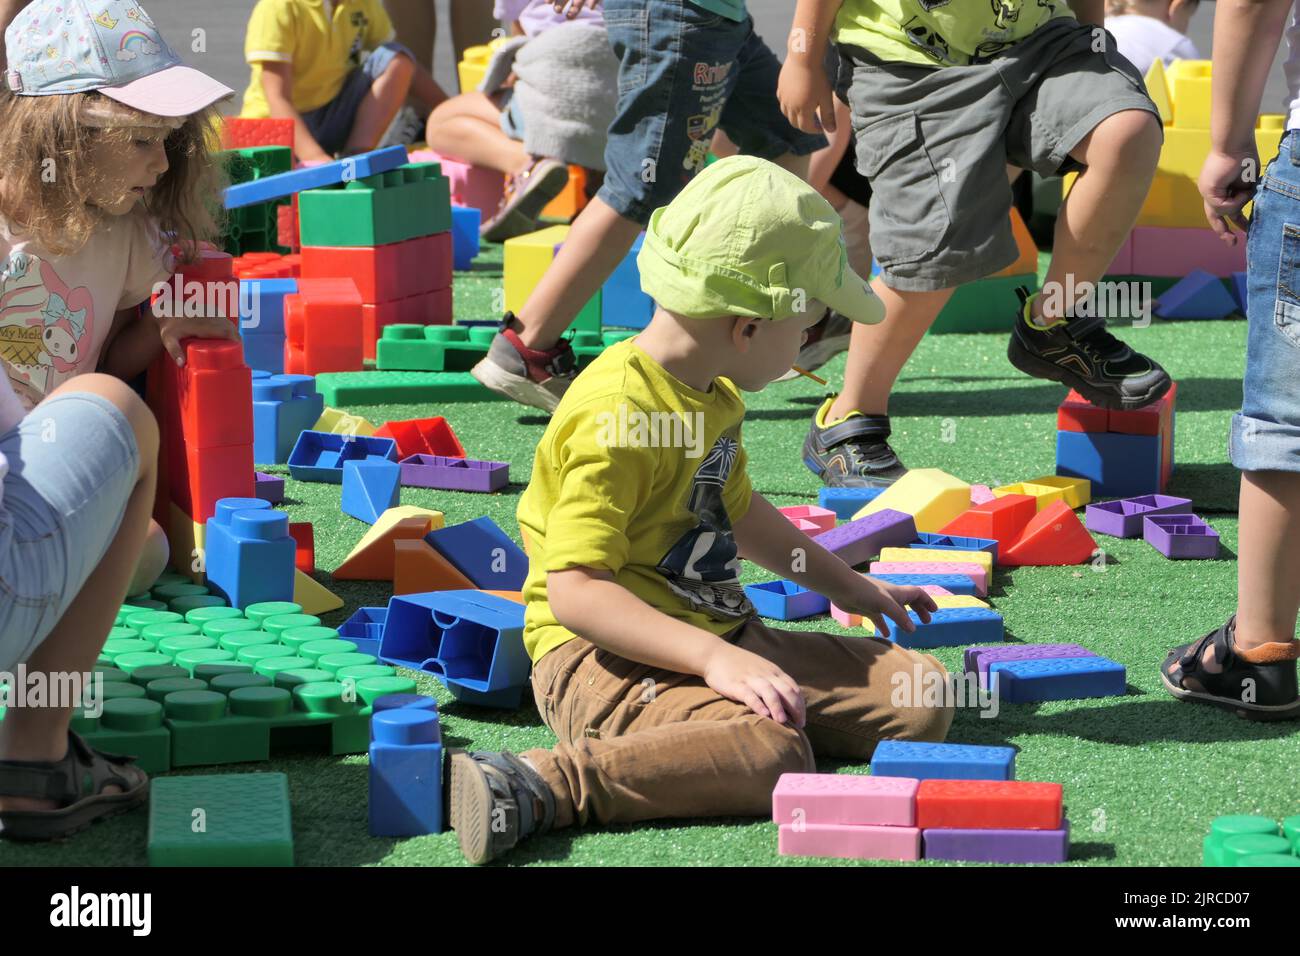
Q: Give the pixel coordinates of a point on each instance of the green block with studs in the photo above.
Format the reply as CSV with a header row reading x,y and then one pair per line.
x,y
405,203
128,724
240,819
432,348
345,389
1233,825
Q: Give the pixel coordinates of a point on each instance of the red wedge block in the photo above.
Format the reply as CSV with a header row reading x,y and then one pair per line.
x,y
1054,536
1001,519
988,805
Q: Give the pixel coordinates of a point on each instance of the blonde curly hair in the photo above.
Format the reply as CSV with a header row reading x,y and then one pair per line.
x,y
47,179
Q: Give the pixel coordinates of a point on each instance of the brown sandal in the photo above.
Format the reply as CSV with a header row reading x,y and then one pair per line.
x,y
76,783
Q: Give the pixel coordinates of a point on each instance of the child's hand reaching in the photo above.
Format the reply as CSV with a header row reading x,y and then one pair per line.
x,y
174,330
1227,183
877,600
756,682
804,92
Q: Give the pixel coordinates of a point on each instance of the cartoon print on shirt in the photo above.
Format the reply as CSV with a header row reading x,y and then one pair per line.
x,y
45,327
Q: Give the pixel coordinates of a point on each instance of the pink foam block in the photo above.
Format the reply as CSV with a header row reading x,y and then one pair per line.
x,y
470,185
840,798
1166,251
850,842
972,571
810,516
848,619
980,494
1123,262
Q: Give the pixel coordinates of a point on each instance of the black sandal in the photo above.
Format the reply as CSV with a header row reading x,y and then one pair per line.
x,y
1258,685
76,783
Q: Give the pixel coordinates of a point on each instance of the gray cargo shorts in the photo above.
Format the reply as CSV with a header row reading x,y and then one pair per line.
x,y
935,144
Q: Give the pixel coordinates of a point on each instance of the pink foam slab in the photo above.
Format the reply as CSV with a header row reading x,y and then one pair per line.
x,y
972,571
853,620
470,185
840,798
1167,251
1123,262
850,842
979,494
821,519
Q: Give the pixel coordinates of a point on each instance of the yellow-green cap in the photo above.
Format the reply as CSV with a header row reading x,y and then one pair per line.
x,y
746,237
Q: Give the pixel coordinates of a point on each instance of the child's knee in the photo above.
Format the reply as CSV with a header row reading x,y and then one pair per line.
x,y
401,66
930,715
1132,138
777,748
153,559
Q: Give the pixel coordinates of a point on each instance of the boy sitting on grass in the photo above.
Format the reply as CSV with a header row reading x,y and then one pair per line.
x,y
670,698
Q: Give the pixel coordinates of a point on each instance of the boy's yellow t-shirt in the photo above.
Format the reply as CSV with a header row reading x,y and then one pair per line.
x,y
644,476
323,40
941,32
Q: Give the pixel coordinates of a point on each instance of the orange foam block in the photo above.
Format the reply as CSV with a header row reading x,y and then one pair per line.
x,y
418,568
372,558
988,805
1054,536
1000,519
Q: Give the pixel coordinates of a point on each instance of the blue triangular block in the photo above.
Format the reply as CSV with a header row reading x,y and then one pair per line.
x,y
370,487
483,553
1239,290
1199,296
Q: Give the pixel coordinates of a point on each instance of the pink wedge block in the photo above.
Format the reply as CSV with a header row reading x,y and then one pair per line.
x,y
810,519
850,842
972,571
841,798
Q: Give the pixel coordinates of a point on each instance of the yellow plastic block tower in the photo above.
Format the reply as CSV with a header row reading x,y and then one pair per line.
x,y
982,558
932,497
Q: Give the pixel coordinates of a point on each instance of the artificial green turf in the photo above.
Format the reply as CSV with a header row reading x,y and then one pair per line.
x,y
1143,775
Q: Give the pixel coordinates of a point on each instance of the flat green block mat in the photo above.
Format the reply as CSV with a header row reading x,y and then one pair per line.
x,y
228,819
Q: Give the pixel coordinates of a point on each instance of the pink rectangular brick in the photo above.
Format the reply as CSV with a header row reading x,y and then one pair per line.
x,y
972,571
1174,252
840,798
850,842
853,620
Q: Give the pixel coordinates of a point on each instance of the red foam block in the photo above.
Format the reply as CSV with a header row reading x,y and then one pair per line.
x,y
1001,519
1055,536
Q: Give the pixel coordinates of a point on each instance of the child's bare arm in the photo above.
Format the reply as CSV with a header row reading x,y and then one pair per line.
x,y
277,85
803,89
1088,11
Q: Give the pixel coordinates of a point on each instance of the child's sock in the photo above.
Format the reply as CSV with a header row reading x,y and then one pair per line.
x,y
825,410
1037,320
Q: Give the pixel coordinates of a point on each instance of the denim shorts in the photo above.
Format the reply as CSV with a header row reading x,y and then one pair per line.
x,y
684,72
512,117
73,462
331,124
1265,434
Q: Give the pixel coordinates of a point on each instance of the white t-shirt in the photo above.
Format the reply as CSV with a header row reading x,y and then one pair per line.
x,y
1143,40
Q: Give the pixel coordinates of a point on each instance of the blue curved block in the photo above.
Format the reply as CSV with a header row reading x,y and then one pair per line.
x,y
1068,678
786,601
951,627
953,583
925,761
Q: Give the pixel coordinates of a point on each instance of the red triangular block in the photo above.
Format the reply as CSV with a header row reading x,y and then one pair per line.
x,y
1054,536
1001,519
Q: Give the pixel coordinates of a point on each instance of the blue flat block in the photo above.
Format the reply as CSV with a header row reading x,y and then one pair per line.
x,y
483,553
249,552
465,221
284,406
622,303
261,305
365,628
906,758
1199,295
952,627
1119,466
1239,287
786,601
319,456
1065,678
468,638
953,583
370,487
846,502
330,174
405,773
948,542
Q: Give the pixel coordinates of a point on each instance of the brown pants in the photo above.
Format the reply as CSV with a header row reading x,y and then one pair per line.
x,y
640,743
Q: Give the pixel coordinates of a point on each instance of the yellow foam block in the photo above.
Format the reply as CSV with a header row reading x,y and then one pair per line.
x,y
525,259
1189,92
932,497
1077,492
186,537
959,600
472,68
1044,495
1158,89
389,518
339,422
314,597
982,558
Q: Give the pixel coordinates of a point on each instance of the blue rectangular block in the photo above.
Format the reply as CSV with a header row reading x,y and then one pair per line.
x,y
261,305
622,303
249,552
953,583
483,553
284,406
786,601
1119,466
923,761
405,796
319,456
846,502
365,628
947,542
465,222
1068,678
952,627
315,177
264,353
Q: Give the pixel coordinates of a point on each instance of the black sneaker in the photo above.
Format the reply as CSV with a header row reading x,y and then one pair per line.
x,y
853,453
496,800
827,339
1080,354
1258,684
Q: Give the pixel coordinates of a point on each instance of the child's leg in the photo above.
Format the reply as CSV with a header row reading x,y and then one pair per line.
x,y
74,643
468,128
1268,558
387,92
154,555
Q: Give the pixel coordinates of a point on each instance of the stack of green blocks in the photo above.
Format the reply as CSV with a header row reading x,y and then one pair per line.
x,y
405,203
254,228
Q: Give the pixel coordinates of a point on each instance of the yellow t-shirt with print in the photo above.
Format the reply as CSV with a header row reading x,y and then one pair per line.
x,y
323,40
941,32
643,476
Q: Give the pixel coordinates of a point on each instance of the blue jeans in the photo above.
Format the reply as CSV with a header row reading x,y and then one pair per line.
x,y
1266,432
684,72
332,123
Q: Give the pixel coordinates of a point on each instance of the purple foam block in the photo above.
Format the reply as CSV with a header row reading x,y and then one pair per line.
x,y
1181,536
998,846
981,657
1123,518
454,474
268,487
860,540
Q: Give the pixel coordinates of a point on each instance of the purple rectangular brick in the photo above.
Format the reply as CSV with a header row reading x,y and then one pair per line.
x,y
841,798
999,846
268,487
1181,536
454,474
980,657
849,842
860,540
1123,518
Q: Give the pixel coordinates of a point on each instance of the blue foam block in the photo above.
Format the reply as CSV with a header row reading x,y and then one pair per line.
x,y
947,542
906,758
284,406
846,502
370,487
315,177
365,628
953,583
1199,295
319,456
405,773
261,305
249,553
951,627
622,303
1119,466
483,553
1065,678
264,353
465,221
786,601
1239,287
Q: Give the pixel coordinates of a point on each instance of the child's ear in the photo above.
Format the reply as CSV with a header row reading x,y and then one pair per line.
x,y
742,331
